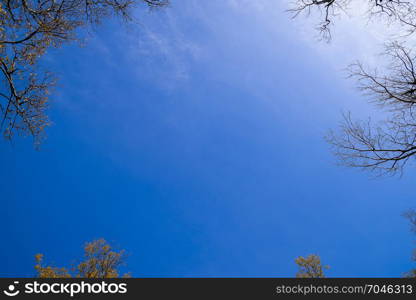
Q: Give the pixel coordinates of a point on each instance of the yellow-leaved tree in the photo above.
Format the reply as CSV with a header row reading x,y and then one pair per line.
x,y
28,28
100,261
310,267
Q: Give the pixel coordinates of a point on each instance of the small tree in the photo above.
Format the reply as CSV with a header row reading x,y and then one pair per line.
x,y
100,261
310,267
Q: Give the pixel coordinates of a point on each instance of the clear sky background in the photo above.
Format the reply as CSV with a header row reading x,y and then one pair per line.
x,y
194,140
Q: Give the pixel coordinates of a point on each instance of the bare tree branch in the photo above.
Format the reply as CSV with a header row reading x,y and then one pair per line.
x,y
388,146
390,11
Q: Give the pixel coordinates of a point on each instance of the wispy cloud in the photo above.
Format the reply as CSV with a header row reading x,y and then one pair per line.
x,y
160,41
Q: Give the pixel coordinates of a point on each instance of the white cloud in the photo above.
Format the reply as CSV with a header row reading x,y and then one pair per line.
x,y
160,42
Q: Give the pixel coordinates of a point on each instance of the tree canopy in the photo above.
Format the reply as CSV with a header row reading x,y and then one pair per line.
x,y
310,267
100,261
27,29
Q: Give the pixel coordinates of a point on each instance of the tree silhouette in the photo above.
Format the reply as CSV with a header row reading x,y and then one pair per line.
x,y
387,146
388,11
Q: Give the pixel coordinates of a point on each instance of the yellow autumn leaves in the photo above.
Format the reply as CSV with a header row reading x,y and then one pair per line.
x,y
100,261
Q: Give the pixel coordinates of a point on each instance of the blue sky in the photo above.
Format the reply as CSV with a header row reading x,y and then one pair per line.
x,y
194,140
